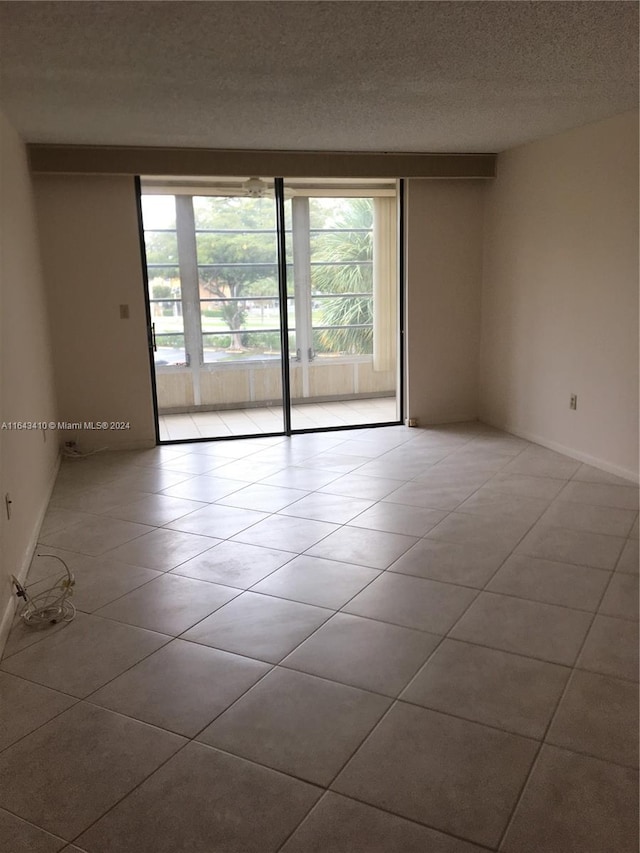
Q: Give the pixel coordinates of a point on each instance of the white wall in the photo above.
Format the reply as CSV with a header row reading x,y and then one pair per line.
x,y
91,256
443,237
560,294
28,458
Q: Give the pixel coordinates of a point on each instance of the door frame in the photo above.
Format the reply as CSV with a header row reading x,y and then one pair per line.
x,y
285,360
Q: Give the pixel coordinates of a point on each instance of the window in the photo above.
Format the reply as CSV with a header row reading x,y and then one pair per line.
x,y
227,246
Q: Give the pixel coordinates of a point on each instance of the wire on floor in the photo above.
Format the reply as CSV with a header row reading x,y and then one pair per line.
x,y
53,604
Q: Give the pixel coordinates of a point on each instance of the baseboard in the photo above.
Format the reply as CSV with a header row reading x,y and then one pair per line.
x,y
6,620
596,462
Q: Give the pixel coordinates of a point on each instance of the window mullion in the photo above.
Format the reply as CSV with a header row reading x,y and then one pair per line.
x,y
302,277
190,289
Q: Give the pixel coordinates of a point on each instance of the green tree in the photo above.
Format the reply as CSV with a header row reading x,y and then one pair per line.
x,y
349,255
242,263
161,290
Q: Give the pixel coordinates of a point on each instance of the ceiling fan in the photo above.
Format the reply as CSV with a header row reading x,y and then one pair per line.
x,y
257,188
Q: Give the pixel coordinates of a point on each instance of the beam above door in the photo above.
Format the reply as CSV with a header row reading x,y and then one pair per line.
x,y
121,160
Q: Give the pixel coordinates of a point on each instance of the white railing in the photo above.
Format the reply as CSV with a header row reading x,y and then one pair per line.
x,y
239,384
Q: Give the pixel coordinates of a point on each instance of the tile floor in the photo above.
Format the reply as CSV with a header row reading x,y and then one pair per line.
x,y
376,641
255,421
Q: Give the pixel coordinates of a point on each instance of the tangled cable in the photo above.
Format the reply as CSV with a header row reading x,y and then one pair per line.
x,y
52,604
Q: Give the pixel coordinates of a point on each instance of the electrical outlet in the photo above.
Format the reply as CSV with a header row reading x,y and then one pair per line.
x,y
573,401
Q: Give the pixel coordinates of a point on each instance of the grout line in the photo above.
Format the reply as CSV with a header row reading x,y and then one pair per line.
x,y
543,740
406,444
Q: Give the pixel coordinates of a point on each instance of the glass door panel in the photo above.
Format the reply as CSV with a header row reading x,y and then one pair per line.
x,y
346,291
214,296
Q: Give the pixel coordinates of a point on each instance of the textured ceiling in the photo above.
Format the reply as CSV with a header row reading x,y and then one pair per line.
x,y
359,76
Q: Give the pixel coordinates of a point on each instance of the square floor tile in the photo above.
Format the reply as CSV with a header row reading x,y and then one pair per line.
x,y
21,635
95,537
364,547
528,628
322,507
413,751
486,531
450,476
96,499
258,626
598,715
454,562
155,456
412,602
170,604
392,469
71,771
589,474
572,802
217,520
295,477
398,518
98,580
203,800
310,735
25,706
611,648
84,655
162,549
148,479
363,653
18,836
155,510
312,580
263,498
234,564
499,689
601,494
203,488
58,518
490,503
572,546
592,519
190,463
537,461
478,456
333,460
286,534
494,440
359,486
431,495
621,597
550,582
181,687
521,484
248,470
341,825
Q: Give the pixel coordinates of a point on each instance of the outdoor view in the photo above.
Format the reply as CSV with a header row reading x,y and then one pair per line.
x,y
236,251
216,313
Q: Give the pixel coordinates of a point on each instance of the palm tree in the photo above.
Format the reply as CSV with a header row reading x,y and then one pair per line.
x,y
348,254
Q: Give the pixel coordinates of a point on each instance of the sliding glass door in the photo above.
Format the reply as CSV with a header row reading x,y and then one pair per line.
x,y
239,280
212,267
343,245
